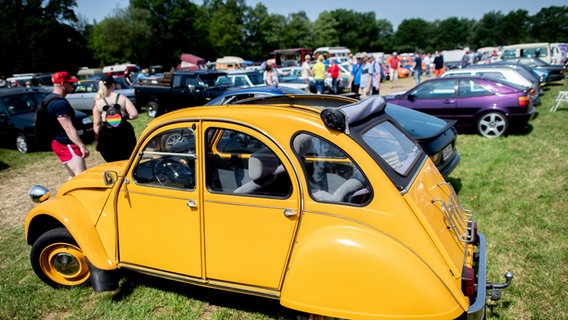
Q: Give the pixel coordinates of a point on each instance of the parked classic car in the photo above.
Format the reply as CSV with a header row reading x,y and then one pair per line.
x,y
17,112
436,136
83,96
490,106
328,212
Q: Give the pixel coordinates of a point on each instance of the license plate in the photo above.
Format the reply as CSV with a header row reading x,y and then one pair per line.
x,y
447,152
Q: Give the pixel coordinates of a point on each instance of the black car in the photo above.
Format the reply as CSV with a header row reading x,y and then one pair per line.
x,y
436,136
17,111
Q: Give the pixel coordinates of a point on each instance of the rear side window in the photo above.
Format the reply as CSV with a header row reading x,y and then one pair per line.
x,y
332,175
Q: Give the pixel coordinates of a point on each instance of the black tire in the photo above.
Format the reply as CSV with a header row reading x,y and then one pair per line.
x,y
58,261
22,143
153,109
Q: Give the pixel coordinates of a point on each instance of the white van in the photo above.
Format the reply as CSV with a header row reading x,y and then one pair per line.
x,y
340,54
549,52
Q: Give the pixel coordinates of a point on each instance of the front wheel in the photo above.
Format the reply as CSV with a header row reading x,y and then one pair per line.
x,y
153,109
58,261
492,125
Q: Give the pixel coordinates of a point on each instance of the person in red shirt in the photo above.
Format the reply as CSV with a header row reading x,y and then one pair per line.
x,y
394,64
333,71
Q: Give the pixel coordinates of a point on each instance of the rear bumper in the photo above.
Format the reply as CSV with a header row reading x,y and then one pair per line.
x,y
477,310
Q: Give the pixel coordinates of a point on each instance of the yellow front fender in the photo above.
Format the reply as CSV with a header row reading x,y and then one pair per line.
x,y
349,271
68,212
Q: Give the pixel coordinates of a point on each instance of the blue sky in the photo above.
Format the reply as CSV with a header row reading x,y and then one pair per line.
x,y
393,11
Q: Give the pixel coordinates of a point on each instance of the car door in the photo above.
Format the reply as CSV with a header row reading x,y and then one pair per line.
x,y
251,207
472,97
158,207
437,98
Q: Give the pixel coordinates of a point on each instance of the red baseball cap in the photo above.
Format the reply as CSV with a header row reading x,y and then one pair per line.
x,y
62,77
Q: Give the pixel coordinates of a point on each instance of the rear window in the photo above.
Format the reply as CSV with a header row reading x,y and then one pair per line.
x,y
393,146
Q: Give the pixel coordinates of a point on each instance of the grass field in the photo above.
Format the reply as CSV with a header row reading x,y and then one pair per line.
x,y
516,184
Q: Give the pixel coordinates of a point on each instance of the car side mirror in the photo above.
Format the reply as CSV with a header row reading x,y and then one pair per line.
x,y
110,177
411,97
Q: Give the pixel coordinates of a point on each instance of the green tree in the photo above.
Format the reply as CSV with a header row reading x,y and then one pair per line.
x,y
298,31
39,38
451,33
515,27
550,24
260,32
325,31
123,37
485,32
413,35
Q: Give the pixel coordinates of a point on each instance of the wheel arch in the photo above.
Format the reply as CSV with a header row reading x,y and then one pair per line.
x,y
348,272
57,213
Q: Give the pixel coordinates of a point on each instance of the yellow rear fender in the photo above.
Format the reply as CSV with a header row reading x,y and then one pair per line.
x,y
67,212
357,273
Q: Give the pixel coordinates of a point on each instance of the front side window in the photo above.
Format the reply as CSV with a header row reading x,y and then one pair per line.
x,y
168,160
435,90
239,164
332,175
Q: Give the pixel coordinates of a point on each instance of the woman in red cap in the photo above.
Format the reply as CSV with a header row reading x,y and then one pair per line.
x,y
66,144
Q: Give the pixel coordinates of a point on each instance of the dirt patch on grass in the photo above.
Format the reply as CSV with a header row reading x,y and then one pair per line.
x,y
16,183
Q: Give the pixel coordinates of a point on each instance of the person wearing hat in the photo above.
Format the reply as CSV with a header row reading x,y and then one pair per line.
x,y
306,70
394,64
114,135
66,143
374,76
356,71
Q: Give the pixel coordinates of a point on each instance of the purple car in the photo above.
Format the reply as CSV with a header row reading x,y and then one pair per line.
x,y
491,107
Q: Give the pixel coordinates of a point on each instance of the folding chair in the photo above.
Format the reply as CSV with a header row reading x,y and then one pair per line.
x,y
562,97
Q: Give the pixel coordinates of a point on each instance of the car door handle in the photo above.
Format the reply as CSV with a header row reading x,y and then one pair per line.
x,y
448,101
191,203
289,213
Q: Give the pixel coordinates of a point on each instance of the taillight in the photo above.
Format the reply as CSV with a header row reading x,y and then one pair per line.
x,y
468,282
532,92
524,101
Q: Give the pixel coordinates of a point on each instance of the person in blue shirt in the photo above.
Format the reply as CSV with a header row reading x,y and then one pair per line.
x,y
356,71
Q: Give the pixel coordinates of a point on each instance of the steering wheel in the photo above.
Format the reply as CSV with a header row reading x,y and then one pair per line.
x,y
168,170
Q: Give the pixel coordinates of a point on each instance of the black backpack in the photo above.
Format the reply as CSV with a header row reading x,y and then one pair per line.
x,y
44,130
113,114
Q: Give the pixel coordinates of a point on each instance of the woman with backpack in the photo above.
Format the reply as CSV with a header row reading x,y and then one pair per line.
x,y
114,135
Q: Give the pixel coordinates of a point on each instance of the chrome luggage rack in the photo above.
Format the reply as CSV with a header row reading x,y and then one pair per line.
x,y
461,221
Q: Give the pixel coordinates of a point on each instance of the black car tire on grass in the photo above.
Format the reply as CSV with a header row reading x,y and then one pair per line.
x,y
22,143
59,261
153,109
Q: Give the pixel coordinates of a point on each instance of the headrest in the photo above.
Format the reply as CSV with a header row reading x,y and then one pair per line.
x,y
261,164
302,144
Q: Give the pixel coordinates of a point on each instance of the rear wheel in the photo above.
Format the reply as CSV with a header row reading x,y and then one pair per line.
x,y
492,125
22,143
58,260
153,109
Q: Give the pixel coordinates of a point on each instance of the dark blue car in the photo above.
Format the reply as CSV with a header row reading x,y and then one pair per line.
x,y
17,112
436,136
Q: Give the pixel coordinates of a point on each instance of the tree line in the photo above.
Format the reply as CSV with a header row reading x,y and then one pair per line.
x,y
46,36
